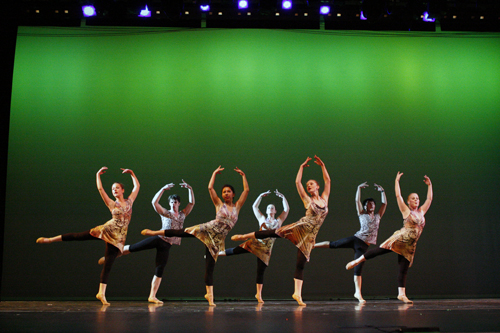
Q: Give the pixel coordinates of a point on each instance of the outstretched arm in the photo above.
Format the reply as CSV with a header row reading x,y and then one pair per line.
x,y
359,204
403,208
326,178
425,207
156,199
255,207
213,195
135,190
101,190
383,198
190,205
286,207
298,180
246,189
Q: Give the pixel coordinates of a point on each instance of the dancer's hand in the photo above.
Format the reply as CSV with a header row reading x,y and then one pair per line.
x,y
318,161
398,176
279,194
185,185
102,170
427,181
127,171
239,171
304,165
168,186
218,170
378,187
365,184
265,194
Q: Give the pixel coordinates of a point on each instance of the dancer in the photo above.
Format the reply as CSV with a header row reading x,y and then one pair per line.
x,y
113,232
367,234
302,233
213,233
171,219
262,247
403,241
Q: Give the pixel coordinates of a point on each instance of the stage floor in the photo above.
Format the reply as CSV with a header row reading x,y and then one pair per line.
x,y
464,315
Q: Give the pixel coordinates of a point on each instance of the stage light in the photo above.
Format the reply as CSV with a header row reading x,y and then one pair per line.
x,y
243,4
205,8
88,11
145,12
426,18
324,10
286,4
362,16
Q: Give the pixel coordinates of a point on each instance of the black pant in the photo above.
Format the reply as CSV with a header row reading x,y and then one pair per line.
x,y
162,251
301,258
354,243
404,264
209,260
261,266
110,253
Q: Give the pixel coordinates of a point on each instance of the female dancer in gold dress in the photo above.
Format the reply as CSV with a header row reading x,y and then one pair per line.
x,y
302,233
403,241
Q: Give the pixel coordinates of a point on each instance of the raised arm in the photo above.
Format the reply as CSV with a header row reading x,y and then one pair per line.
x,y
190,205
101,190
246,189
298,180
383,199
286,207
425,207
405,211
326,178
255,207
359,204
156,199
213,194
135,181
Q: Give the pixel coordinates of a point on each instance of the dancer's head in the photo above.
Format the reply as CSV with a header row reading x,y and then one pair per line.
x,y
312,186
271,210
369,205
174,201
228,193
413,201
118,189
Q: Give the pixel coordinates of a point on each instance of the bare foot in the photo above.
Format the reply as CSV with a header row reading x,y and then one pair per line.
x,y
360,298
146,232
154,300
102,298
405,299
43,240
101,261
298,299
259,299
210,299
238,238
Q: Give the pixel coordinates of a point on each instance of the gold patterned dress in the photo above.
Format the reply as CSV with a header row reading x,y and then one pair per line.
x,y
213,233
262,248
303,233
114,231
404,241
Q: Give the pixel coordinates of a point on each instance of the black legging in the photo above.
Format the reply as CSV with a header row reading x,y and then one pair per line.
x,y
354,243
162,251
404,264
301,258
261,266
209,260
110,253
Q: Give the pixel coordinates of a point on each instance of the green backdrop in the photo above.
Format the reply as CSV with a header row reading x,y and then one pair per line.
x,y
175,104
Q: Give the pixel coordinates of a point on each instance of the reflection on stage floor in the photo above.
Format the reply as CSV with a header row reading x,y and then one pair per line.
x,y
464,315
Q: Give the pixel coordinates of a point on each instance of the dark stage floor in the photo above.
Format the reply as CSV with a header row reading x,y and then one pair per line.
x,y
464,315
